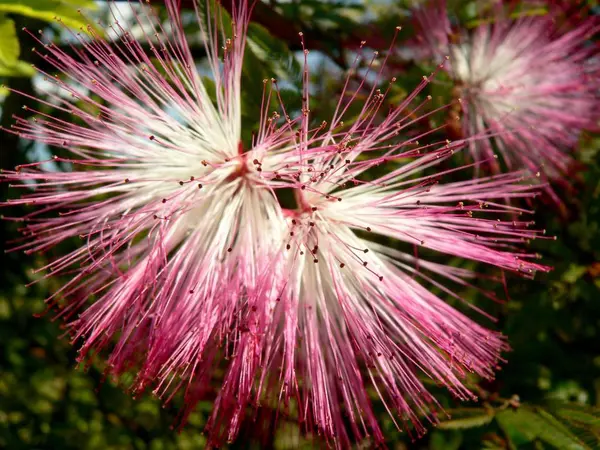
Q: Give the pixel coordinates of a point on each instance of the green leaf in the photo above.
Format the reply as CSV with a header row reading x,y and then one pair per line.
x,y
575,411
9,43
50,10
582,421
20,69
529,424
10,50
467,418
574,273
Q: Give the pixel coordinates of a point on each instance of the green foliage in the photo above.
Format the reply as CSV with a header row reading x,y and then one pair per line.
x,y
443,440
51,10
63,11
10,50
339,15
528,424
562,425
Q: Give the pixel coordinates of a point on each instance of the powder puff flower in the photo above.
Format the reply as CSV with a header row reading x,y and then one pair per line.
x,y
533,84
353,313
189,265
168,207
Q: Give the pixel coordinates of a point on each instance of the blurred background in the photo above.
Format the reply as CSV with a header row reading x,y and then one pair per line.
x,y
545,396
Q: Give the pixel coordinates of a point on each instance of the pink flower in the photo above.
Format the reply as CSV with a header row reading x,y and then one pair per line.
x,y
536,86
358,308
174,218
189,265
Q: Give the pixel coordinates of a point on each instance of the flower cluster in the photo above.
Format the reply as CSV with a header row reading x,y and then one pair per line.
x,y
190,270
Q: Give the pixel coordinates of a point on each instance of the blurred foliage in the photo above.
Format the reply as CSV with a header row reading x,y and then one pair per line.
x,y
65,12
10,65
547,394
